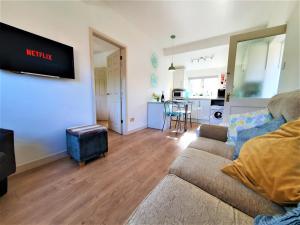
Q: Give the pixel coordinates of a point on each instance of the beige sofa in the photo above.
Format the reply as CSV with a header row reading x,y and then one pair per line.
x,y
196,191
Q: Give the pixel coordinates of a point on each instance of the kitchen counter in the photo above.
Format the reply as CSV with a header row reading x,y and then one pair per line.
x,y
155,102
200,111
205,98
191,98
155,117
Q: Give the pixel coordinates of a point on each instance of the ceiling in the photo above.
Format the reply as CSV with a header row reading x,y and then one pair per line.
x,y
215,58
196,20
100,46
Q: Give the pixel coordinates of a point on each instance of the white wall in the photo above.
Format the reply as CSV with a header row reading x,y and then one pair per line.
x,y
40,109
290,76
273,69
165,77
100,59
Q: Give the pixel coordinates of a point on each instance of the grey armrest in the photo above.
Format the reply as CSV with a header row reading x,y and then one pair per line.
x,y
213,132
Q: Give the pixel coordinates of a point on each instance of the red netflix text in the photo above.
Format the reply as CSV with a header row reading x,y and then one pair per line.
x,y
39,54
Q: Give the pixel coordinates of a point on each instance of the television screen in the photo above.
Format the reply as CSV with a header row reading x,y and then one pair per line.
x,y
24,52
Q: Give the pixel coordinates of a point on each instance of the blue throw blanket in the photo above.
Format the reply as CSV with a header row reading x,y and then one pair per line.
x,y
292,217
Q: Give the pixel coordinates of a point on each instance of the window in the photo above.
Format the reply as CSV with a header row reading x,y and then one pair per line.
x,y
204,86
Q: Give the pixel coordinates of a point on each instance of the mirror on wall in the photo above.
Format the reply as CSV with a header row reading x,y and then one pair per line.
x,y
258,66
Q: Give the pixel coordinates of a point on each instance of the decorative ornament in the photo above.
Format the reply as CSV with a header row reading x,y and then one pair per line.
x,y
154,80
154,60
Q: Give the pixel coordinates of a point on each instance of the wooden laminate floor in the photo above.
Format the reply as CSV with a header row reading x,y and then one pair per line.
x,y
105,191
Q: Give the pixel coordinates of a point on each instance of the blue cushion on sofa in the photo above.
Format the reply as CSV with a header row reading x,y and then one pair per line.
x,y
245,135
292,217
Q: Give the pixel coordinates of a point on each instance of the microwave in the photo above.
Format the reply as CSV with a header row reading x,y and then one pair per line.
x,y
178,94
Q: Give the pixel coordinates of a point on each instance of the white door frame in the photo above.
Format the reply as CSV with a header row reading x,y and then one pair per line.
x,y
234,40
123,49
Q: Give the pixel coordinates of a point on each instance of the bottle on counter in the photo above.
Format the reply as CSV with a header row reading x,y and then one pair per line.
x,y
162,99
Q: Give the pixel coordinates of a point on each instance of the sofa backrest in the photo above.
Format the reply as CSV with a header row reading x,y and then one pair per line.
x,y
286,104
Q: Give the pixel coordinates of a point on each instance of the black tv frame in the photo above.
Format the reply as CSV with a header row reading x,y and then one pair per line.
x,y
38,55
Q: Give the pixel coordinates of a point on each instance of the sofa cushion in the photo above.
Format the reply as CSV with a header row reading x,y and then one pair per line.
x,y
270,164
213,146
213,132
245,135
204,170
175,201
243,121
286,104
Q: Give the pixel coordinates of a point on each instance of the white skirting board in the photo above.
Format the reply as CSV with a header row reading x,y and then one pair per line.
x,y
51,158
136,130
39,162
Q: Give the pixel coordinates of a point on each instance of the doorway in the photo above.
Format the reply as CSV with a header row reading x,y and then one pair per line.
x,y
108,80
254,69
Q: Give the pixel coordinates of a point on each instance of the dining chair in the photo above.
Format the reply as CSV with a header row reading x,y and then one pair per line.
x,y
185,107
172,110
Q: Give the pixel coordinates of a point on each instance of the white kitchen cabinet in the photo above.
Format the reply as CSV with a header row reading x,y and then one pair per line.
x,y
204,110
155,115
195,108
200,110
178,78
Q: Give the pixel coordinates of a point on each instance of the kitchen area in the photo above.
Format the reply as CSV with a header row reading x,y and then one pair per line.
x,y
199,82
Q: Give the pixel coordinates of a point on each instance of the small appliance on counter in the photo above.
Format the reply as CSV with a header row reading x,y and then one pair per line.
x,y
221,93
178,94
216,111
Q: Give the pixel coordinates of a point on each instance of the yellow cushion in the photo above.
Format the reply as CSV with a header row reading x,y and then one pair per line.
x,y
270,164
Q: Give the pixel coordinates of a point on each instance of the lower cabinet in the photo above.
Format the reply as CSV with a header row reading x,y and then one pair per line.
x,y
200,110
195,109
204,111
155,115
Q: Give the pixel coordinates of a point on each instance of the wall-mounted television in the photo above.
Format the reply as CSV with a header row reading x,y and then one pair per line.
x,y
28,53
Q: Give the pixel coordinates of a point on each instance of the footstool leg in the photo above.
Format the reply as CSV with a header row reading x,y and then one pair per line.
x,y
3,186
81,164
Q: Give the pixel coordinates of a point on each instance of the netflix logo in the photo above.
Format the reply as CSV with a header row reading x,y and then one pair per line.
x,y
38,54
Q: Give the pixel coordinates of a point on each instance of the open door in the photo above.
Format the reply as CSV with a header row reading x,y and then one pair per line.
x,y
100,93
114,91
254,67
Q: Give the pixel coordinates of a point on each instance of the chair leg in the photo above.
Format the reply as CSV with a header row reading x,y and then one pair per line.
x,y
177,124
3,187
170,122
163,124
191,120
179,121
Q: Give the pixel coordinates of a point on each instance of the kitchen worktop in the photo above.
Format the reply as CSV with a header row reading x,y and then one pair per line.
x,y
155,102
204,98
191,98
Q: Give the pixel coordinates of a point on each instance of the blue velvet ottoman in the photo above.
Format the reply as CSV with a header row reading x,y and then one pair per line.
x,y
86,142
